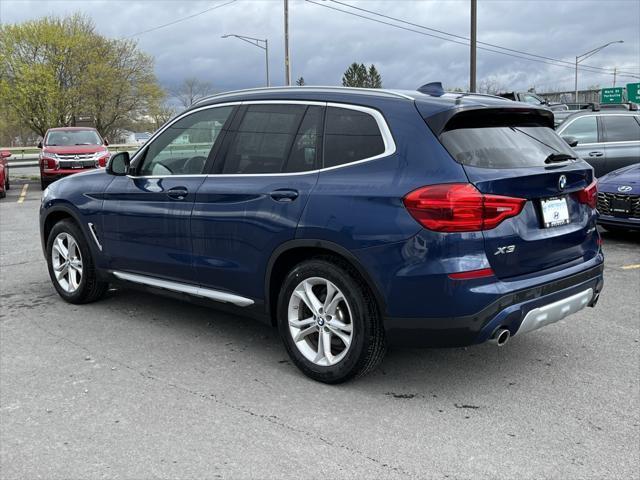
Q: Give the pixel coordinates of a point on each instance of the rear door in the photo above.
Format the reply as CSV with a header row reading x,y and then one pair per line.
x,y
253,201
622,140
588,131
505,154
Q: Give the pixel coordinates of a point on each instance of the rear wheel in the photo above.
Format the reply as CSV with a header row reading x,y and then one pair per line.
x,y
329,321
43,183
7,183
71,266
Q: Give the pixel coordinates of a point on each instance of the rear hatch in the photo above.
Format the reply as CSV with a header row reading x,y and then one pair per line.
x,y
516,153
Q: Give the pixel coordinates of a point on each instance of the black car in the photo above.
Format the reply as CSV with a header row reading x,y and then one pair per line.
x,y
607,139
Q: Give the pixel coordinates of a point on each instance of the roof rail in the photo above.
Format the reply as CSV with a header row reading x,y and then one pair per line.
x,y
378,91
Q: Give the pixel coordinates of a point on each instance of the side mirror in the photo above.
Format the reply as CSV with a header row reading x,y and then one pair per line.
x,y
106,142
5,153
571,141
118,164
40,145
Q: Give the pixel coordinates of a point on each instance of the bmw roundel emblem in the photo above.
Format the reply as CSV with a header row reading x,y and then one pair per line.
x,y
624,188
562,182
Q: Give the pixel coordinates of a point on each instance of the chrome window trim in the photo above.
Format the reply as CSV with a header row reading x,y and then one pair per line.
x,y
383,127
194,290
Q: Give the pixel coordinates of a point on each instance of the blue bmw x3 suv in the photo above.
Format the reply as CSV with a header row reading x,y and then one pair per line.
x,y
351,219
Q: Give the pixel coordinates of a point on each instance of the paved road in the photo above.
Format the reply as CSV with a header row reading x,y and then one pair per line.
x,y
141,386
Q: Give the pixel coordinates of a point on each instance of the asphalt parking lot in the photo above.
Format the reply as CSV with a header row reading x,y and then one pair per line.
x,y
141,386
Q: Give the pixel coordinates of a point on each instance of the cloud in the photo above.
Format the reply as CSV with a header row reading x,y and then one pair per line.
x,y
324,42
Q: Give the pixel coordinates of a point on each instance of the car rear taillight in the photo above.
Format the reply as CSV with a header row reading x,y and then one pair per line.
x,y
589,195
460,207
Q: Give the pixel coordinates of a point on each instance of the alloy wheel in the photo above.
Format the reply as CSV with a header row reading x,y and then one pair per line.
x,y
66,260
320,321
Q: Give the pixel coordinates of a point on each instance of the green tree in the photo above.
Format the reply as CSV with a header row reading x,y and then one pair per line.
x,y
300,82
55,69
357,75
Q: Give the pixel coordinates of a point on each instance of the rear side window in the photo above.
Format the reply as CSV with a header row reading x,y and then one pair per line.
x,y
621,128
584,129
503,147
350,135
274,139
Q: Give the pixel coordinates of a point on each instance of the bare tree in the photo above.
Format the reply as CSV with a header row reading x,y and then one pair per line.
x,y
490,85
191,90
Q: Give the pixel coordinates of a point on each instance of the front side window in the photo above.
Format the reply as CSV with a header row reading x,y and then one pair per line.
x,y
584,129
533,100
275,139
66,138
621,128
350,135
184,147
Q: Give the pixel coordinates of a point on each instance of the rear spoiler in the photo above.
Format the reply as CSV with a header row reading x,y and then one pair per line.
x,y
475,116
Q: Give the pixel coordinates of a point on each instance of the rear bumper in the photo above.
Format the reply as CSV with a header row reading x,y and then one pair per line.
x,y
509,311
622,222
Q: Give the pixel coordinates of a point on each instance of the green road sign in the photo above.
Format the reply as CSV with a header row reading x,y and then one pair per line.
x,y
611,95
633,92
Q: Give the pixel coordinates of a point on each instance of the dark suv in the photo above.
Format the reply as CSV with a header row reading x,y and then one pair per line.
x,y
349,218
607,139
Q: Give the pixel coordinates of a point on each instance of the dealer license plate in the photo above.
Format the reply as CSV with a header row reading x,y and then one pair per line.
x,y
555,212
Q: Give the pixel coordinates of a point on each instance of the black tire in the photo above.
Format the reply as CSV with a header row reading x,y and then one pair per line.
x,y
90,288
7,183
44,184
367,347
3,194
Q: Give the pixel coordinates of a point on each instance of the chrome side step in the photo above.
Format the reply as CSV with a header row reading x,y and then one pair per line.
x,y
196,291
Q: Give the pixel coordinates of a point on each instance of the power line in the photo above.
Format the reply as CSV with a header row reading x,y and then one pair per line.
x,y
465,38
457,41
180,20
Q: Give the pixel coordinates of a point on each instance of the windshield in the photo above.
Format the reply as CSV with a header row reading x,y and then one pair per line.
x,y
65,138
504,147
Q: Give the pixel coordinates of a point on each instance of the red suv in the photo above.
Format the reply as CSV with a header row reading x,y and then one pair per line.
x,y
69,150
4,172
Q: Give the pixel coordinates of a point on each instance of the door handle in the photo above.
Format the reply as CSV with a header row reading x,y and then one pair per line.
x,y
284,195
177,193
595,154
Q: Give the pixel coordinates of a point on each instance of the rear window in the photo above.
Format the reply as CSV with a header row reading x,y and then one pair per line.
x,y
503,147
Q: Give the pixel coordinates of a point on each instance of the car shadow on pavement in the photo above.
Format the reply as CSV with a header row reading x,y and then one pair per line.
x,y
404,374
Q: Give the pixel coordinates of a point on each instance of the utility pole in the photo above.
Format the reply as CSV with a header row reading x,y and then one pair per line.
x,y
615,71
287,70
472,62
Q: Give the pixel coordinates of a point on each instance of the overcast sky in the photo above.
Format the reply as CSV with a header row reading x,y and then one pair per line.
x,y
323,42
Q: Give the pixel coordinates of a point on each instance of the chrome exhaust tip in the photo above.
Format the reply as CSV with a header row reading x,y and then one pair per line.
x,y
500,337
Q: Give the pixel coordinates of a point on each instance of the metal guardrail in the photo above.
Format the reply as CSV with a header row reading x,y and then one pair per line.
x,y
19,154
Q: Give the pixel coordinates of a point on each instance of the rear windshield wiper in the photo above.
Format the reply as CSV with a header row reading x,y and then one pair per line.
x,y
559,157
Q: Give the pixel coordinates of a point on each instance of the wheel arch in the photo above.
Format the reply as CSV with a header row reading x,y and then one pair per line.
x,y
54,215
294,251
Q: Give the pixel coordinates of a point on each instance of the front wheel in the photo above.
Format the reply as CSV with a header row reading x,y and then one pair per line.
x,y
7,183
329,321
71,266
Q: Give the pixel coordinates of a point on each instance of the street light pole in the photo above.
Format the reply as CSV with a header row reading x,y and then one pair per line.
x,y
584,56
256,42
287,68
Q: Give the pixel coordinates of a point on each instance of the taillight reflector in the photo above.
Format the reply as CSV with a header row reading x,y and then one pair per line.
x,y
460,207
483,272
589,195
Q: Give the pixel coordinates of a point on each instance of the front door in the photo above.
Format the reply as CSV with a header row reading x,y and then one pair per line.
x,y
147,216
